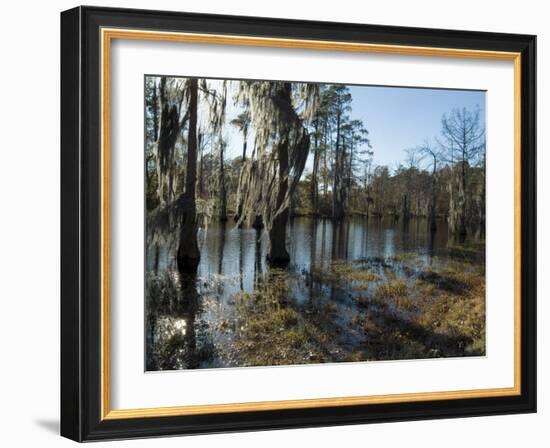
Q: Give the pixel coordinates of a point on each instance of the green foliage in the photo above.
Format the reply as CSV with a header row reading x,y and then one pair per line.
x,y
445,180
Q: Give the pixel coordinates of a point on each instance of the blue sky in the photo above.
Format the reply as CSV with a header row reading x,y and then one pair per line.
x,y
399,118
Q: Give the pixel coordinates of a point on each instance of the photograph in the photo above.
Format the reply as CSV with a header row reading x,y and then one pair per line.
x,y
276,222
292,222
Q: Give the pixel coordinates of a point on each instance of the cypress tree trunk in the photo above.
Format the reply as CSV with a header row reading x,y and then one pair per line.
x,y
432,207
155,106
277,253
406,211
462,226
201,165
243,162
325,180
245,137
343,193
482,202
223,189
457,202
337,206
314,176
188,255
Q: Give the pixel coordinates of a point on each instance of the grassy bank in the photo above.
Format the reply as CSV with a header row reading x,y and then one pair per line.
x,y
272,330
372,309
404,310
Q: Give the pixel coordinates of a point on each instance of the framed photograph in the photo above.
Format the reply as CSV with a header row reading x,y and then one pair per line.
x,y
275,224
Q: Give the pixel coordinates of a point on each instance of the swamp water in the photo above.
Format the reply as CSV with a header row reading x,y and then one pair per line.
x,y
358,290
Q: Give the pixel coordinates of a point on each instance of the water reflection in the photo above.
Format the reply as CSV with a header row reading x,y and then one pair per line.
x,y
196,321
172,333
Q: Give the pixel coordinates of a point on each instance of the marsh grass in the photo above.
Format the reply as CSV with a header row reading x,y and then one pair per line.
x,y
272,330
472,252
410,311
396,292
401,308
342,271
434,312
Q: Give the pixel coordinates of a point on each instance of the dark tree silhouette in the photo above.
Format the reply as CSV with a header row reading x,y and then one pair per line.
x,y
188,255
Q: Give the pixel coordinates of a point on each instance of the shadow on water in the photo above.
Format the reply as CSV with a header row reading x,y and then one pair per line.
x,y
354,290
175,337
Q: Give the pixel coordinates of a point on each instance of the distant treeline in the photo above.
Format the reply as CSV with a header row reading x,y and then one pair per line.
x,y
406,193
282,125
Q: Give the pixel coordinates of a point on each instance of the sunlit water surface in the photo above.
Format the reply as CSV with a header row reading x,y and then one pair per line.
x,y
198,331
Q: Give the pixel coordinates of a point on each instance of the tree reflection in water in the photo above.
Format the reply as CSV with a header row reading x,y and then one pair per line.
x,y
175,340
355,290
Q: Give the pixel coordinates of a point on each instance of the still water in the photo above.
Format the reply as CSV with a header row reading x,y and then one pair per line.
x,y
197,326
